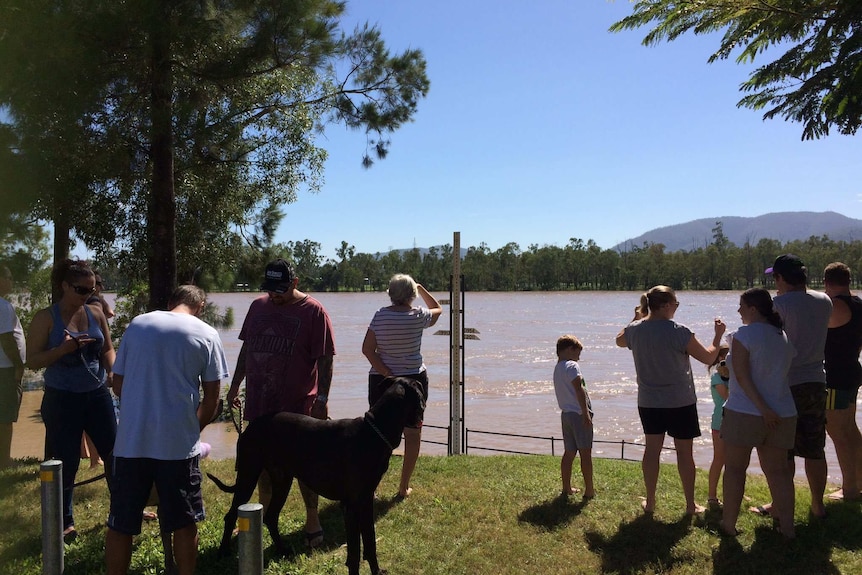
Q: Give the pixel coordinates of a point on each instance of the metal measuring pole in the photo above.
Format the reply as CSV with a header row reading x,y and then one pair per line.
x,y
51,476
456,384
250,524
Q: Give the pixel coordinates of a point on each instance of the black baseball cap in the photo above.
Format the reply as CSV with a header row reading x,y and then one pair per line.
x,y
278,276
788,264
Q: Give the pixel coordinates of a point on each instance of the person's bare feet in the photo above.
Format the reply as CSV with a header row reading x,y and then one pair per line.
x,y
840,496
818,511
762,510
696,510
571,491
402,495
648,509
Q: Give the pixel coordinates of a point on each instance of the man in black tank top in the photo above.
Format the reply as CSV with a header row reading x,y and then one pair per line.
x,y
843,377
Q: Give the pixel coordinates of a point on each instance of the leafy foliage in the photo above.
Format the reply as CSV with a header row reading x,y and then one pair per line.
x,y
163,133
817,81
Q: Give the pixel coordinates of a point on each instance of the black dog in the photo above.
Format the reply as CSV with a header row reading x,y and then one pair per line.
x,y
342,460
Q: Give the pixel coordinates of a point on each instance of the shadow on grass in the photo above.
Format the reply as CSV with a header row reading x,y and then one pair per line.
x,y
639,544
772,553
332,520
554,513
18,473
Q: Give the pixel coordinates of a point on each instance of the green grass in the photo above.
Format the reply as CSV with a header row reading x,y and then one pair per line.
x,y
474,515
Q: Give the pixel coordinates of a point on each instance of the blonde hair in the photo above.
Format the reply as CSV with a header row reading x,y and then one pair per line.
x,y
402,289
655,298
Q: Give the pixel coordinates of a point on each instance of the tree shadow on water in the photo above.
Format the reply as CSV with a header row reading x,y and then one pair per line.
x,y
638,544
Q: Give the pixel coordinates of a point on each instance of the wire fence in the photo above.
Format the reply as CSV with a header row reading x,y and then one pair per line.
x,y
474,442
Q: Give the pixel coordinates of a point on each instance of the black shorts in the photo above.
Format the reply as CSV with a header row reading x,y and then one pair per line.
x,y
177,482
375,390
678,422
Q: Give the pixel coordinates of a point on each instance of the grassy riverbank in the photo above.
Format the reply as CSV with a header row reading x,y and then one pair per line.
x,y
475,516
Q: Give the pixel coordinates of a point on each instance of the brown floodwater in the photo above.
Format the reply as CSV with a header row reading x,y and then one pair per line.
x,y
508,381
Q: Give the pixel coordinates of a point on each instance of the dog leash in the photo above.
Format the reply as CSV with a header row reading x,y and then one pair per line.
x,y
380,433
233,418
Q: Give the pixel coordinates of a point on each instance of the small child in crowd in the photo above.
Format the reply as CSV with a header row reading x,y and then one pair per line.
x,y
718,386
577,415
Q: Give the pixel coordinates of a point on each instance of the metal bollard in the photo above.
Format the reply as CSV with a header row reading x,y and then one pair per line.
x,y
51,475
250,524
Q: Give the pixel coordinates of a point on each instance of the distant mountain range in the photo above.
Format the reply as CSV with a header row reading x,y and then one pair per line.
x,y
781,226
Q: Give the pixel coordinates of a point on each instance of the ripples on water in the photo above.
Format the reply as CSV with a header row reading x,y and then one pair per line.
x,y
509,370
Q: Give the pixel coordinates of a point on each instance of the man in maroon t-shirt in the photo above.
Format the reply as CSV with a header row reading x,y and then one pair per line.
x,y
286,361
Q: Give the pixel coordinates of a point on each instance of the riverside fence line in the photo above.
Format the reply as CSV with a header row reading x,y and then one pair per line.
x,y
551,440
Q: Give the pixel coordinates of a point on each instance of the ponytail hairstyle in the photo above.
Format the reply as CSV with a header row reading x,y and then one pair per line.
x,y
643,309
760,299
68,271
657,297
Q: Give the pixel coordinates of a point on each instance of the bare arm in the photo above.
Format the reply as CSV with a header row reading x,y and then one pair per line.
x,y
433,305
324,381
706,355
621,336
369,350
238,376
208,405
742,370
578,382
109,354
38,353
10,348
117,386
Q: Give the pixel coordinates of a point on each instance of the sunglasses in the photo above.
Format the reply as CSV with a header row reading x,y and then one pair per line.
x,y
82,290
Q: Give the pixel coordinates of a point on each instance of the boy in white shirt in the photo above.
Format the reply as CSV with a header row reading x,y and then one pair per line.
x,y
576,417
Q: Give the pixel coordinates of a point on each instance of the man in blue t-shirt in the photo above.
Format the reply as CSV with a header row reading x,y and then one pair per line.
x,y
163,361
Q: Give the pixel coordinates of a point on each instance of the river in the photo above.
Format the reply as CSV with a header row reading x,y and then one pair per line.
x,y
508,381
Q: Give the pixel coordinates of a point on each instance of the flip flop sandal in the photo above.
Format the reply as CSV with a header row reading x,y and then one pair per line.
x,y
760,510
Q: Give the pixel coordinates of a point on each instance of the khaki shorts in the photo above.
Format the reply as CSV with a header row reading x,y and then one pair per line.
x,y
11,392
751,431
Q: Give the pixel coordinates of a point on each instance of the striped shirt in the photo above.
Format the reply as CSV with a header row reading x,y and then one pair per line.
x,y
399,338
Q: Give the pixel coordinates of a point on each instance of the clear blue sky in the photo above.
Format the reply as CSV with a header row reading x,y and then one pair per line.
x,y
540,126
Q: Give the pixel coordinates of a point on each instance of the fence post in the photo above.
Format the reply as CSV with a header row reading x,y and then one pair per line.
x,y
250,524
51,476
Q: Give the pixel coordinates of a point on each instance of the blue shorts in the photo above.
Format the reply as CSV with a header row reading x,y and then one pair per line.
x,y
178,484
678,422
841,398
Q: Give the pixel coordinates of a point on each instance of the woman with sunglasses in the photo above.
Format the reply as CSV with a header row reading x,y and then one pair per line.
x,y
72,341
667,403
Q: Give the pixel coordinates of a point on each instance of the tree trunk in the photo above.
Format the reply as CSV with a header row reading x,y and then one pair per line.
x,y
161,212
61,237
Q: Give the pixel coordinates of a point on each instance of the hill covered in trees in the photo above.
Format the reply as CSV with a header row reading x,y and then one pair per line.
x,y
578,265
782,226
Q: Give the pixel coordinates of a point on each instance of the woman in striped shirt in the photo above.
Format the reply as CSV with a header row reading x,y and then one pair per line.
x,y
392,345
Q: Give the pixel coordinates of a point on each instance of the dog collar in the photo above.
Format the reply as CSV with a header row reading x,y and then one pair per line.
x,y
380,433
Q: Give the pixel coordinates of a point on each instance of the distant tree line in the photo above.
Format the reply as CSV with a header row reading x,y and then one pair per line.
x,y
578,265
